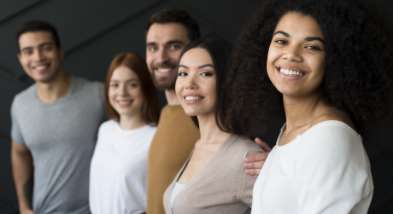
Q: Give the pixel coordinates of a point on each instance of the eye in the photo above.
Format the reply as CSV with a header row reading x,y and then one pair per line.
x,y
181,73
313,47
47,47
114,85
27,51
206,73
151,48
175,46
280,42
133,84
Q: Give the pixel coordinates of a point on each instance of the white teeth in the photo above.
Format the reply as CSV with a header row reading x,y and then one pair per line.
x,y
40,67
290,72
192,98
124,102
163,70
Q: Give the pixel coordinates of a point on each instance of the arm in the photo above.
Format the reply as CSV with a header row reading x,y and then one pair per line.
x,y
254,161
22,167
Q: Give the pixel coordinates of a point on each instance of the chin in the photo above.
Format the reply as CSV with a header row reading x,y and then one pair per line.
x,y
190,113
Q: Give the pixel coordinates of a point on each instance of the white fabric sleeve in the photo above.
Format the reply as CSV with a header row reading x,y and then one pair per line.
x,y
335,173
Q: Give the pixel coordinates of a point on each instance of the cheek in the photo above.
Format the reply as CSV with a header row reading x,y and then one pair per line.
x,y
149,59
318,65
178,86
272,56
174,55
211,90
111,96
138,93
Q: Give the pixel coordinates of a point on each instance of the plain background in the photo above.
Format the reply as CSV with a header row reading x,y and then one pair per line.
x,y
92,32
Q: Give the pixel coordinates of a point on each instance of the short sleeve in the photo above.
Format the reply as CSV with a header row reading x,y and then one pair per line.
x,y
16,134
246,182
335,175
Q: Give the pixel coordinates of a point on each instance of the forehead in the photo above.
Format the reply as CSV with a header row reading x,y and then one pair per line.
x,y
35,38
196,57
123,72
298,24
162,33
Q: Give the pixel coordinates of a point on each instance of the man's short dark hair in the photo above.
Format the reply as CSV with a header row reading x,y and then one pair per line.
x,y
176,16
38,25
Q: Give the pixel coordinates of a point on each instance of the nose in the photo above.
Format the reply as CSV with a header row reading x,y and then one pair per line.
x,y
123,90
162,56
293,54
38,54
190,82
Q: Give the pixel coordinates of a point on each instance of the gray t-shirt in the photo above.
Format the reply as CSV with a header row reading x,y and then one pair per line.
x,y
61,137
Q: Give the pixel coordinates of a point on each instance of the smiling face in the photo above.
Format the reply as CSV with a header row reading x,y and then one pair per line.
x,y
164,43
39,56
125,93
296,57
196,83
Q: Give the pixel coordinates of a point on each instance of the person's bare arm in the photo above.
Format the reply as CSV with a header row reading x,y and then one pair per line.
x,y
22,168
254,162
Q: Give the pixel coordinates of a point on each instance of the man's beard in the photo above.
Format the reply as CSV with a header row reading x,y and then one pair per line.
x,y
168,82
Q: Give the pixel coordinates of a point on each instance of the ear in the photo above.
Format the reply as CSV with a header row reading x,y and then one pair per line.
x,y
18,55
61,54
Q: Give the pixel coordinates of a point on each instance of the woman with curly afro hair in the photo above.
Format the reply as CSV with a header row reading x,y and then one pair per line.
x,y
322,65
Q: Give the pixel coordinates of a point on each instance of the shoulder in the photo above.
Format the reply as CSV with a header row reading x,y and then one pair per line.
x,y
151,128
109,124
244,144
24,97
332,143
87,84
239,147
330,134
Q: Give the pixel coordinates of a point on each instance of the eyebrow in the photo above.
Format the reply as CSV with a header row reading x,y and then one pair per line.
x,y
168,42
129,80
39,45
202,66
308,39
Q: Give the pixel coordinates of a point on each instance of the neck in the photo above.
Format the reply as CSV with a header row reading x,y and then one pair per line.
x,y
210,133
171,97
51,91
301,112
129,122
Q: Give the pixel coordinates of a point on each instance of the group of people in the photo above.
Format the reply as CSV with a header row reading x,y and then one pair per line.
x,y
316,64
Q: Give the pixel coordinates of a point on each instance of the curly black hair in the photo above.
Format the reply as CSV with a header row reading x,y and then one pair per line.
x,y
357,60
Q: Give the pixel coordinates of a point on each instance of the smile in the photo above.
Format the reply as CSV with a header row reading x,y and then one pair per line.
x,y
41,66
124,102
192,99
289,72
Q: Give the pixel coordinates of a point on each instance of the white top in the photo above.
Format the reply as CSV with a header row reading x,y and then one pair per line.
x,y
175,191
324,170
118,170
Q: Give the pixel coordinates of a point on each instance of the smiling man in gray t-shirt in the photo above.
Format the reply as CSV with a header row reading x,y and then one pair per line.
x,y
54,127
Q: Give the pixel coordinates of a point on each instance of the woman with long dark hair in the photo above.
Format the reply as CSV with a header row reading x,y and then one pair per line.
x,y
212,180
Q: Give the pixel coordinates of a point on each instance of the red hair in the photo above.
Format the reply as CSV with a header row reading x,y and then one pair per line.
x,y
150,107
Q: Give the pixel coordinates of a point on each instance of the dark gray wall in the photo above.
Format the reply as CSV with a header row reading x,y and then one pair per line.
x,y
93,31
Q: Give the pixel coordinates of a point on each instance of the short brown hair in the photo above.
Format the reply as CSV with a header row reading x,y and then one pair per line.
x,y
181,17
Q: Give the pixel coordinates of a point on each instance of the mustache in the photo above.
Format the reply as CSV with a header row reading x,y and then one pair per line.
x,y
166,64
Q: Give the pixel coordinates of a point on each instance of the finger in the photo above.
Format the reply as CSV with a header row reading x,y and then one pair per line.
x,y
253,165
263,144
258,156
252,172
